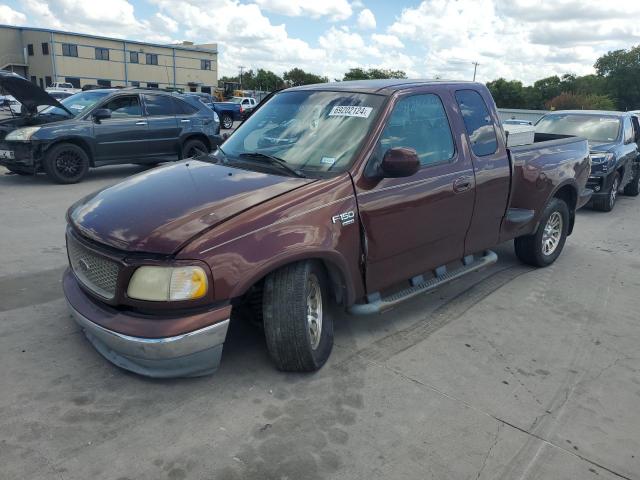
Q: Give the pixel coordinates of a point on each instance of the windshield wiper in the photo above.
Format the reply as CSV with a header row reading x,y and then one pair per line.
x,y
274,161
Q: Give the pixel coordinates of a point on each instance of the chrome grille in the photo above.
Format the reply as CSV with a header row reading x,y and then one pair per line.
x,y
99,274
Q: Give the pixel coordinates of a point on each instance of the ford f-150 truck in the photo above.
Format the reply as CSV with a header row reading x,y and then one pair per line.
x,y
361,193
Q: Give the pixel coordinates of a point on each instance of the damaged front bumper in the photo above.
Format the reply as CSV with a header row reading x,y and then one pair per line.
x,y
25,156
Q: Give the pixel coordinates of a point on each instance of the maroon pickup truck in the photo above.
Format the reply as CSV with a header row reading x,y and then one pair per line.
x,y
360,193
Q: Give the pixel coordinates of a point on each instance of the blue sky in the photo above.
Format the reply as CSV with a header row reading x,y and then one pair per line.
x,y
515,39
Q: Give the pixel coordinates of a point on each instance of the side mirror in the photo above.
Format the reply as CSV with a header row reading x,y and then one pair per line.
x,y
400,162
101,114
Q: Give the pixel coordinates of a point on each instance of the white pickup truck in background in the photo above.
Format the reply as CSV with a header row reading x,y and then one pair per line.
x,y
62,86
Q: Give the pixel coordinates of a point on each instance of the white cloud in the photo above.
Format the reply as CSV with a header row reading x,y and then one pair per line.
x,y
390,41
335,10
8,16
366,19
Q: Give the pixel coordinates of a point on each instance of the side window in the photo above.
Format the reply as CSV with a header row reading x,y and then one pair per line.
x,y
183,108
419,122
628,131
123,107
477,122
159,105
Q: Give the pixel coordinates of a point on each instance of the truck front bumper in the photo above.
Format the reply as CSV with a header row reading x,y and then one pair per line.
x,y
23,155
189,354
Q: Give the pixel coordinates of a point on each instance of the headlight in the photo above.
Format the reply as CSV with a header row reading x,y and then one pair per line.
x,y
216,117
22,134
162,284
600,157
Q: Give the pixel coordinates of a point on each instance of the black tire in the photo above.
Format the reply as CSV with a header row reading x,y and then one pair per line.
x,y
19,171
608,201
194,148
287,294
530,249
66,163
227,121
632,189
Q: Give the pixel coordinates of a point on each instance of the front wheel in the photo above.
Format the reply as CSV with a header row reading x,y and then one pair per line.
x,y
227,121
607,203
544,246
297,327
66,163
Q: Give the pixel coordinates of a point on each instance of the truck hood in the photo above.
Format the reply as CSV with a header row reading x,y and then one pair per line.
x,y
601,147
161,210
27,93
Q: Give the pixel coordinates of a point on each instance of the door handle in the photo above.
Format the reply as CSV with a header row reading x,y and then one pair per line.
x,y
141,123
461,184
185,120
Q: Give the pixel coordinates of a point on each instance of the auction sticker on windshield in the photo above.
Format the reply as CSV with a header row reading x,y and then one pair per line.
x,y
7,154
350,111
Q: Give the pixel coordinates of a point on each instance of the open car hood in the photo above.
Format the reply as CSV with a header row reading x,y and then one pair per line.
x,y
161,210
28,94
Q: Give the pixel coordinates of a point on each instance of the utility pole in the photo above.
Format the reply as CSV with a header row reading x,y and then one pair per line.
x,y
475,69
241,67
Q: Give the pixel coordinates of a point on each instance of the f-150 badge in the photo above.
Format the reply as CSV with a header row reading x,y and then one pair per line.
x,y
346,218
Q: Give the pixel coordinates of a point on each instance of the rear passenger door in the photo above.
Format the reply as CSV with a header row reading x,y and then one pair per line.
x,y
415,224
492,170
163,125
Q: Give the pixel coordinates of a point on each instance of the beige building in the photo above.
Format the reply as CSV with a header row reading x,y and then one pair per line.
x,y
47,56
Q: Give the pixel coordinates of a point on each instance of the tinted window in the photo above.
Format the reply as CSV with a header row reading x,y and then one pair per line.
x,y
596,128
152,85
30,49
133,57
419,122
75,82
628,131
159,105
184,108
477,122
122,107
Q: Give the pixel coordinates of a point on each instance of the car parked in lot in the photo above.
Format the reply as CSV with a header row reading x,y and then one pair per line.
x,y
228,112
100,127
362,193
247,104
62,87
613,143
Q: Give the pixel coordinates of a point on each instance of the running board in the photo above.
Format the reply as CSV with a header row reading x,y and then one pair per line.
x,y
377,304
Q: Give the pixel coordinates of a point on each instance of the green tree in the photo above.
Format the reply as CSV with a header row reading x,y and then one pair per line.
x,y
296,77
621,71
573,101
373,73
507,94
267,80
548,87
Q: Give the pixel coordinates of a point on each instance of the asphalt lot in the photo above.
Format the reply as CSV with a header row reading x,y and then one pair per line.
x,y
510,373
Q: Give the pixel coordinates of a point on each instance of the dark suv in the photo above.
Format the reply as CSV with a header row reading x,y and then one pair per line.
x,y
100,127
615,159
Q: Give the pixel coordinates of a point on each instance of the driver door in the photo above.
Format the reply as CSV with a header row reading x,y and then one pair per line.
x,y
415,224
124,134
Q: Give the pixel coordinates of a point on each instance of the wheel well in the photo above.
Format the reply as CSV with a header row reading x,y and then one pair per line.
x,y
621,172
196,136
570,196
78,142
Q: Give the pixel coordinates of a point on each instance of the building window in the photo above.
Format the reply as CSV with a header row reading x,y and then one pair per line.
x,y
73,81
45,48
102,53
30,49
133,57
104,83
152,85
69,50
152,59
205,90
135,84
47,81
205,64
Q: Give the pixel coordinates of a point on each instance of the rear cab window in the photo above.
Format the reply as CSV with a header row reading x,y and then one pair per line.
x,y
419,122
477,122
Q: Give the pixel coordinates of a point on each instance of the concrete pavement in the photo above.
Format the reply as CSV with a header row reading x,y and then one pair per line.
x,y
510,373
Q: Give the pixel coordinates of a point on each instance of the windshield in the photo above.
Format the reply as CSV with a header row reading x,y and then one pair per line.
x,y
78,103
312,131
592,127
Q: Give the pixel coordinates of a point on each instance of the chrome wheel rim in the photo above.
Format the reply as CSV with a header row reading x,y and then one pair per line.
x,y
227,122
614,191
314,310
552,233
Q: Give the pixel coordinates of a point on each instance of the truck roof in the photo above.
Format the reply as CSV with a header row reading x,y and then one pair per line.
x,y
613,113
381,87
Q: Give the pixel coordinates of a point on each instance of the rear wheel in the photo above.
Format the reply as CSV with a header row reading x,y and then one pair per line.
x,y
298,329
227,121
607,203
544,246
66,163
632,189
194,148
